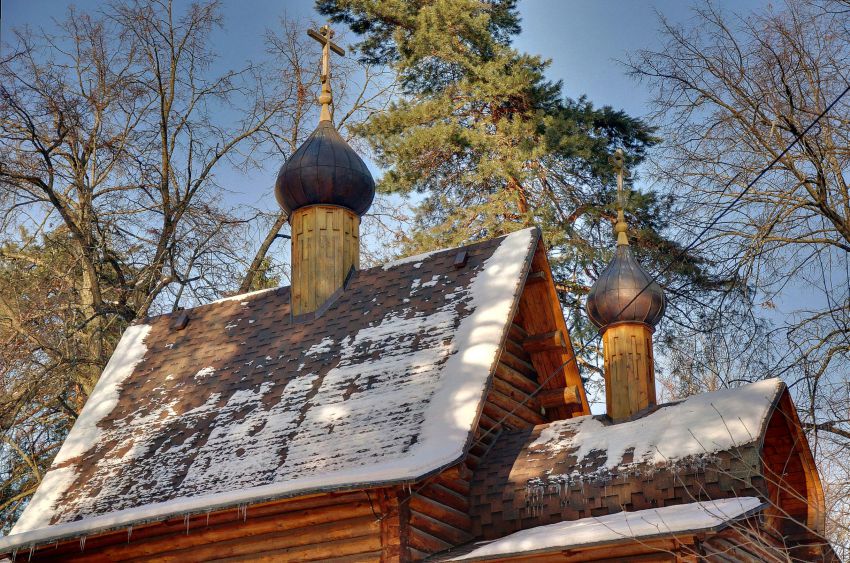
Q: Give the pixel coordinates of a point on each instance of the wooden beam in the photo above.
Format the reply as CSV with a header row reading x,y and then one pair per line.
x,y
441,512
546,342
540,313
515,407
515,378
564,396
423,541
444,495
437,528
536,277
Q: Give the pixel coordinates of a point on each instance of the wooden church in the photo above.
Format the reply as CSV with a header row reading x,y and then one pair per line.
x,y
426,409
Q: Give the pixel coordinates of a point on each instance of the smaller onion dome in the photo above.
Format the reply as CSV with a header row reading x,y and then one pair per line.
x,y
325,170
612,298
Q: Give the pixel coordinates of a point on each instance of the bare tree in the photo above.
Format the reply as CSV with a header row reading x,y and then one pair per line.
x,y
360,91
733,93
112,132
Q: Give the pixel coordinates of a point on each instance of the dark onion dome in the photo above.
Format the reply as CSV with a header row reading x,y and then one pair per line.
x,y
612,298
325,170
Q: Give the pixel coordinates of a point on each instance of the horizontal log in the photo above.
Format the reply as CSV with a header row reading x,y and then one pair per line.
x,y
484,437
441,512
460,486
563,396
438,529
517,333
520,363
516,407
214,548
318,552
444,495
504,417
631,549
478,449
518,395
368,557
546,342
423,541
48,553
515,378
459,471
488,424
282,524
515,348
174,527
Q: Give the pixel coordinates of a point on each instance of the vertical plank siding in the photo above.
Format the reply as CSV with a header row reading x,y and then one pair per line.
x,y
325,246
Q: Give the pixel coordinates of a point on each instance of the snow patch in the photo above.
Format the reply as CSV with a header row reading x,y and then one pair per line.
x,y
85,434
322,347
204,372
43,504
242,296
699,425
416,258
640,524
433,281
451,412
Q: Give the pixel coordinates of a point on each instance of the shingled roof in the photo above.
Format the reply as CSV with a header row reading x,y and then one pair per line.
x,y
639,526
707,446
382,385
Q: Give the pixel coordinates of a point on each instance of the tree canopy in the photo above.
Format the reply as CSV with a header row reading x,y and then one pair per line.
x,y
487,144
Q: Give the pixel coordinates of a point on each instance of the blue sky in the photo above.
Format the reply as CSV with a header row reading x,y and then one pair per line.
x,y
584,39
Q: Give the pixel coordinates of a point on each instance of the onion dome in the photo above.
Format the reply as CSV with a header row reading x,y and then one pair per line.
x,y
325,170
617,295
624,292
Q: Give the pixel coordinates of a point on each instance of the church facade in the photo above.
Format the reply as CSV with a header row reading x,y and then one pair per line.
x,y
427,409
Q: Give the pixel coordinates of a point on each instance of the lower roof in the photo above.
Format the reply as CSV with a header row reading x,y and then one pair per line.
x,y
642,525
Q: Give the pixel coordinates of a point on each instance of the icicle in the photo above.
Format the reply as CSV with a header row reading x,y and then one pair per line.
x,y
208,517
186,522
82,543
129,533
242,511
32,548
14,554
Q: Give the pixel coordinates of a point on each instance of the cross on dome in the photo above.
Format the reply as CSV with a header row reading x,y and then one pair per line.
x,y
325,37
618,161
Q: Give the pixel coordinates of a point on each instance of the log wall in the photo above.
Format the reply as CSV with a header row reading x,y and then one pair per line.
x,y
795,492
439,510
336,527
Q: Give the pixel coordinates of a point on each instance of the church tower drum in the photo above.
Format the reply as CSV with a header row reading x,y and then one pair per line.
x,y
325,187
625,304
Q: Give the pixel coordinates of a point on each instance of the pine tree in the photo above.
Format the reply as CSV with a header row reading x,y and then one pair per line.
x,y
491,145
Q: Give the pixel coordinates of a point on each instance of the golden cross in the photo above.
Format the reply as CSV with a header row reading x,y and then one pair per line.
x,y
324,36
618,161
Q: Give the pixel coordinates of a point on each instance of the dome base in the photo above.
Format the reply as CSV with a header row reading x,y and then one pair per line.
x,y
325,246
629,369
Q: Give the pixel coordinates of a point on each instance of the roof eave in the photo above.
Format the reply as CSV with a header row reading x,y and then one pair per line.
x,y
109,523
610,543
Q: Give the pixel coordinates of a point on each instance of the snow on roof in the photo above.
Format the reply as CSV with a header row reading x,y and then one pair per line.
x,y
699,425
416,260
642,524
243,405
242,296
